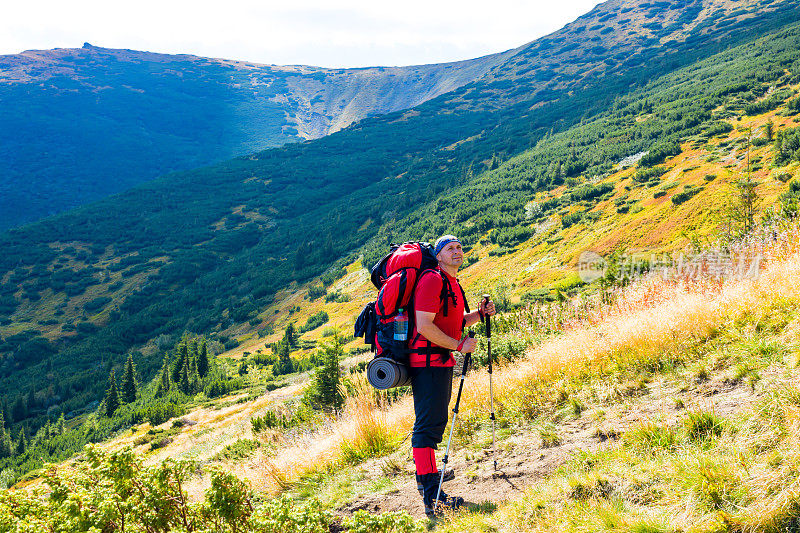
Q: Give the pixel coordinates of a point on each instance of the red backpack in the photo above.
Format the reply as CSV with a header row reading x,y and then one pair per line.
x,y
387,323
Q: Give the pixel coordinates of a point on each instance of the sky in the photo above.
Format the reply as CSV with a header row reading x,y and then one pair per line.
x,y
328,33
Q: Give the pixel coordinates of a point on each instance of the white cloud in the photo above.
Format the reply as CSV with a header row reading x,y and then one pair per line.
x,y
344,33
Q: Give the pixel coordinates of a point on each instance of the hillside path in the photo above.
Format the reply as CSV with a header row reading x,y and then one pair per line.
x,y
523,458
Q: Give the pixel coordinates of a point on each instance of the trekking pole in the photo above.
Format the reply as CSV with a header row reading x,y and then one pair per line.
x,y
488,324
467,357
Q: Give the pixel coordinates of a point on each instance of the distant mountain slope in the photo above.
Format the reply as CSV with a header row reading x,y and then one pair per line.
x,y
79,124
206,250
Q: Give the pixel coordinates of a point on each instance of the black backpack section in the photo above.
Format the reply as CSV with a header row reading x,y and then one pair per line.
x,y
396,277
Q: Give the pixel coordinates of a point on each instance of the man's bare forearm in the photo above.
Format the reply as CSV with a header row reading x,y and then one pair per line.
x,y
472,318
437,336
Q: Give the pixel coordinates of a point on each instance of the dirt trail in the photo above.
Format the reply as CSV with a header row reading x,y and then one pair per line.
x,y
523,459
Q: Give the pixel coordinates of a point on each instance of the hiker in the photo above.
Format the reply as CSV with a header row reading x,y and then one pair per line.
x,y
441,314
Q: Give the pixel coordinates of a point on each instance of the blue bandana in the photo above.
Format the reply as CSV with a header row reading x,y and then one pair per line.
x,y
443,241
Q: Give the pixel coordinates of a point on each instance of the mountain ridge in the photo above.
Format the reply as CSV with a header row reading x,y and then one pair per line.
x,y
93,110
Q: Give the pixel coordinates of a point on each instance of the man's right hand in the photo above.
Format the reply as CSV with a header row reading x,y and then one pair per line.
x,y
467,345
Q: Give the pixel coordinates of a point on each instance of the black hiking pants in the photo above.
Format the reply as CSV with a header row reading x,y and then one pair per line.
x,y
432,387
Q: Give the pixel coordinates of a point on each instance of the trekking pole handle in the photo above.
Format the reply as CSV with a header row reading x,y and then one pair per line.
x,y
467,357
471,335
487,322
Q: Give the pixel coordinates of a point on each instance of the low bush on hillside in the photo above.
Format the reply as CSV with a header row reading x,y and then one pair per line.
x,y
646,175
314,322
687,193
116,492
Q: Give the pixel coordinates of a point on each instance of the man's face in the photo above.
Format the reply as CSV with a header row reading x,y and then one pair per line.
x,y
451,255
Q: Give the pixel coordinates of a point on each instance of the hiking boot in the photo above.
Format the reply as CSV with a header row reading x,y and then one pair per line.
x,y
449,474
446,503
430,484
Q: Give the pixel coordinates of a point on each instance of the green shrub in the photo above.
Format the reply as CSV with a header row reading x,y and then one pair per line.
x,y
659,152
314,322
220,386
159,412
241,449
97,303
643,175
685,195
391,522
337,297
329,277
315,292
572,218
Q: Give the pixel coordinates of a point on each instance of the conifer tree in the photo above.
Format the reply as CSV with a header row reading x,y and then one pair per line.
x,y
285,365
289,335
20,410
193,357
327,379
202,361
22,443
179,362
185,383
5,440
7,412
192,366
60,425
112,396
31,399
164,382
130,390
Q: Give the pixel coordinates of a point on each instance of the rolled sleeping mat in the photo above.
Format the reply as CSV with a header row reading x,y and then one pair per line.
x,y
384,373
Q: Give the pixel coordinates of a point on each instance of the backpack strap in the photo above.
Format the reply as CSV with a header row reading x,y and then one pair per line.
x,y
464,296
447,292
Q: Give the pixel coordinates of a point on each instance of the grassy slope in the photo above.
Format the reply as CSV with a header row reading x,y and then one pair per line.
x,y
673,336
483,276
674,410
178,219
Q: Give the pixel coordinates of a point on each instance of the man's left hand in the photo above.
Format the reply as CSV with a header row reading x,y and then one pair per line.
x,y
487,308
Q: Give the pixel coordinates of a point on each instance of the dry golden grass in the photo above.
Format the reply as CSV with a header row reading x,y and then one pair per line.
x,y
650,318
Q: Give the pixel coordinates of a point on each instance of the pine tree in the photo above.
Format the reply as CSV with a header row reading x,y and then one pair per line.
x,y
193,368
285,365
5,440
7,412
112,396
289,335
22,443
185,383
180,362
31,399
327,379
20,410
130,390
202,361
164,382
193,357
60,425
